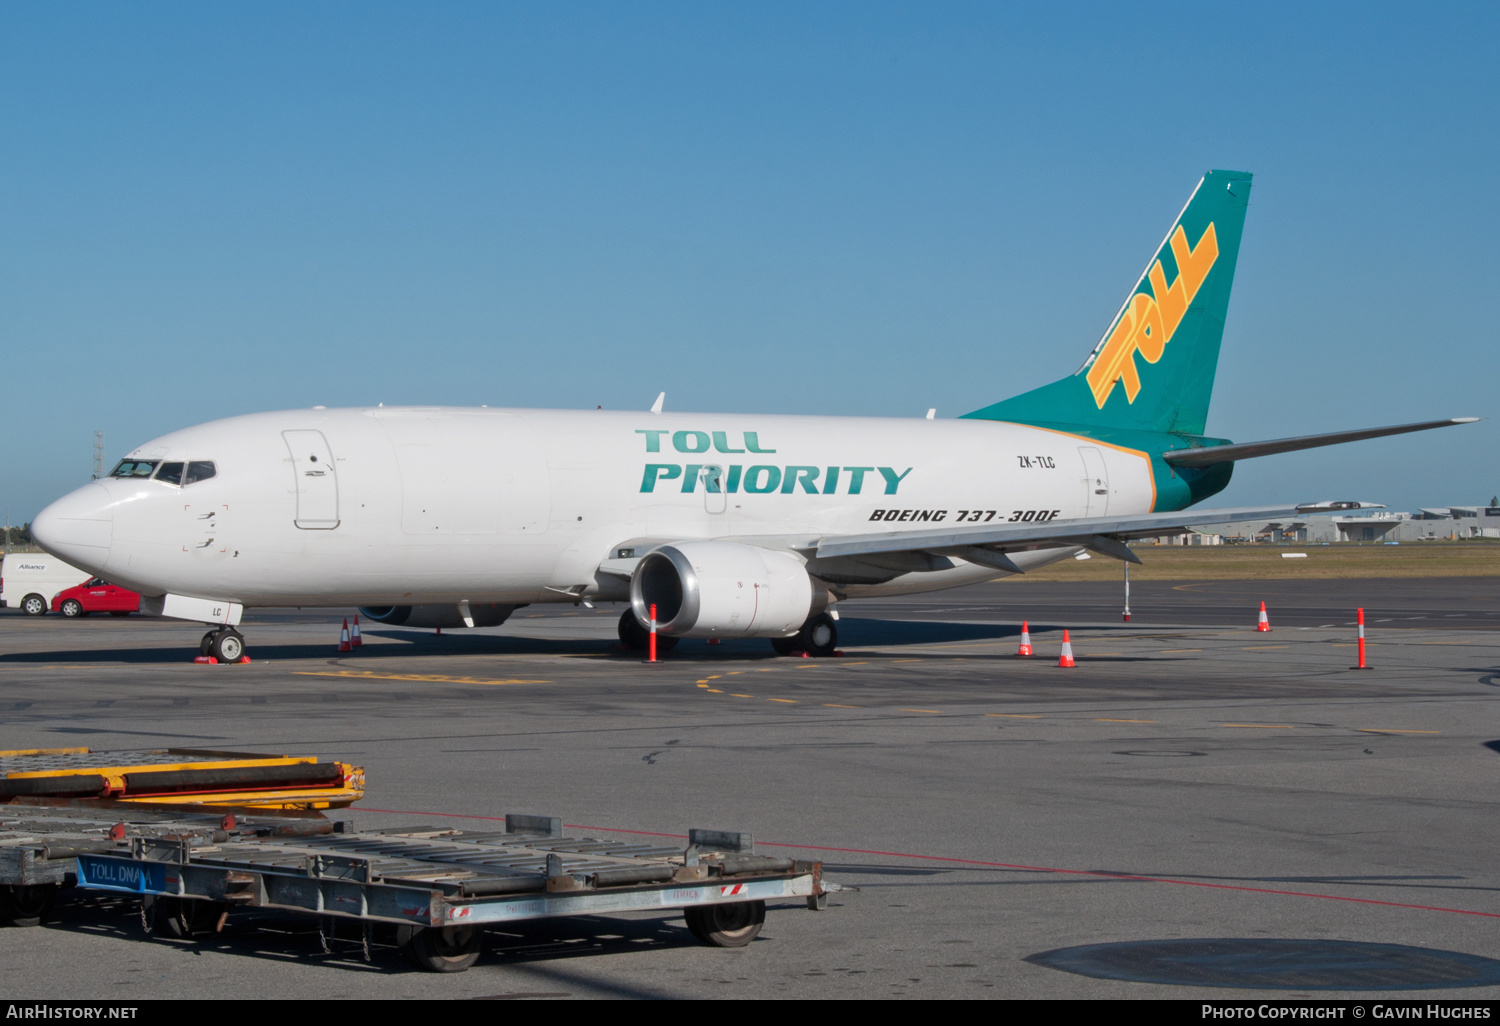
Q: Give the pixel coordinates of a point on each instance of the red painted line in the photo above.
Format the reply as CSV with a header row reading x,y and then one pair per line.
x,y
1008,865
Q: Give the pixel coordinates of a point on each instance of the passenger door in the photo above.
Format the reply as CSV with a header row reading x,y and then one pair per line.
x,y
714,499
1095,482
317,480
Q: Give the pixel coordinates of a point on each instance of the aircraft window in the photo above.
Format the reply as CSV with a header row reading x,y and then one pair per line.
x,y
171,473
199,470
133,468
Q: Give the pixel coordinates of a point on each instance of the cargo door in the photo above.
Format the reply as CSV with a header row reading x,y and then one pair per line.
x,y
317,480
1095,482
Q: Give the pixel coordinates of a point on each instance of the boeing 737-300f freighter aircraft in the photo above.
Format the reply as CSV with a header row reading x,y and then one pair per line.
x,y
732,526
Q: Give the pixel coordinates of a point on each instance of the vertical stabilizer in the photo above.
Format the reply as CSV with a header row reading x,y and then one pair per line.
x,y
1154,368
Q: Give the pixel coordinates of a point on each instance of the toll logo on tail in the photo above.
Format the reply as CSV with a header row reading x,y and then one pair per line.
x,y
1150,319
1152,369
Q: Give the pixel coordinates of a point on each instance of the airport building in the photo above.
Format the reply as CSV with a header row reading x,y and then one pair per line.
x,y
1439,523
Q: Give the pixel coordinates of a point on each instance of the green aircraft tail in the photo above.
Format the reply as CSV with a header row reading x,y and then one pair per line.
x,y
1154,368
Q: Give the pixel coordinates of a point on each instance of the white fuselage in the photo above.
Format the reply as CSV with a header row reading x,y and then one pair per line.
x,y
428,505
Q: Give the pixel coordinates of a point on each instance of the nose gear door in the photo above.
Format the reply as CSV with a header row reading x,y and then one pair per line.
x,y
317,480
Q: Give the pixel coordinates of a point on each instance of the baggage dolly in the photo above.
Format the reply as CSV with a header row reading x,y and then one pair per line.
x,y
41,839
441,887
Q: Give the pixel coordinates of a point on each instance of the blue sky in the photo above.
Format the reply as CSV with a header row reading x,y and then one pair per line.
x,y
862,208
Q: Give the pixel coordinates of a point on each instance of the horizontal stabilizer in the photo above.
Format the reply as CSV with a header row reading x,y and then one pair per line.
x,y
1085,532
1210,455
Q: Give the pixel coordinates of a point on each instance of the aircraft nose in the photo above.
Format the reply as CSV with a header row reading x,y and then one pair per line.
x,y
79,527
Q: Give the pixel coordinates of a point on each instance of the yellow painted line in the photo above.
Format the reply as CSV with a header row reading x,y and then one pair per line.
x,y
732,673
833,705
1393,730
1014,716
702,683
714,691
1261,726
44,751
733,695
1252,648
937,711
1174,651
1101,719
713,676
427,677
788,701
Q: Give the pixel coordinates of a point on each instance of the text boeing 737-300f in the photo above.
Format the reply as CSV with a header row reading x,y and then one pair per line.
x,y
733,526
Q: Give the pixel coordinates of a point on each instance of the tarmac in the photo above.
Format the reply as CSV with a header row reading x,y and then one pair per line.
x,y
1196,810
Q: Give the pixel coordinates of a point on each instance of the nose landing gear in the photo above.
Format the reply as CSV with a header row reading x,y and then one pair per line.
x,y
225,644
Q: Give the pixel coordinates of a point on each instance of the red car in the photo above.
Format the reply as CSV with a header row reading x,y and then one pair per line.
x,y
96,596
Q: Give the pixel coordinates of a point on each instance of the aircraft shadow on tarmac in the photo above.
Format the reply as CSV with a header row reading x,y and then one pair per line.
x,y
855,632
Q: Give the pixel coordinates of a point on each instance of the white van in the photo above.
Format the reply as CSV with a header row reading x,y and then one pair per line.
x,y
29,580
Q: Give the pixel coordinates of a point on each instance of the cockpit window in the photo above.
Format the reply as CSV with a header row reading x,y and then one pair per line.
x,y
199,470
171,473
134,468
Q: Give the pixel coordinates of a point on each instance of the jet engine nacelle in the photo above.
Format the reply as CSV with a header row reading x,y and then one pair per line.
x,y
705,589
437,616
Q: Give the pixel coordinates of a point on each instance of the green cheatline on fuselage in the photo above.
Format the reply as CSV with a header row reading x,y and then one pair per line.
x,y
1148,382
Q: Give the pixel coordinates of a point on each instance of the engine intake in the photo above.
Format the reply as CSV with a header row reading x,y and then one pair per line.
x,y
437,616
706,589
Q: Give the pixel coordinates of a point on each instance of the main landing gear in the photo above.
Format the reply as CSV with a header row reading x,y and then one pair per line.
x,y
225,644
817,637
636,638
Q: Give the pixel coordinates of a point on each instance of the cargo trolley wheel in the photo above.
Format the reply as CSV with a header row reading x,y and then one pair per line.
x,y
33,605
26,905
440,949
730,925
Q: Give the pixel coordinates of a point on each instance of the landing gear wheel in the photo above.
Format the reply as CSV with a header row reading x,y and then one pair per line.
x,y
731,925
26,905
207,644
632,635
71,608
33,605
228,646
636,638
185,918
440,949
817,637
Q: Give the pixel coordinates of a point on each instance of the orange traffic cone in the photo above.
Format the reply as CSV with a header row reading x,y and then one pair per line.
x,y
1025,649
344,645
1263,624
1066,659
354,638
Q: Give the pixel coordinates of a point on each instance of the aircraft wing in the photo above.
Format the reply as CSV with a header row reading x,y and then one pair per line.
x,y
987,544
1208,455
